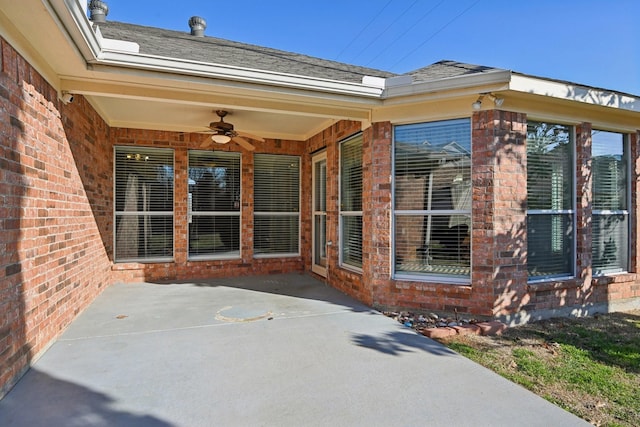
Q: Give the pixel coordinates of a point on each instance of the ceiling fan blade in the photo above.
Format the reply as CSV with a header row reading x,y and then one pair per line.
x,y
243,143
250,136
207,142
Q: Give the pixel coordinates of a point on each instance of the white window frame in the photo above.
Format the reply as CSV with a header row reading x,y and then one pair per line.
x,y
191,214
626,146
258,214
571,211
116,214
342,214
430,277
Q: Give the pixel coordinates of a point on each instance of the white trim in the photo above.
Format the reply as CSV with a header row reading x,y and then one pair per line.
x,y
317,268
449,83
574,92
97,50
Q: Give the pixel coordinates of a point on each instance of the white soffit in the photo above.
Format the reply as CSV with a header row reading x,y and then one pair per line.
x,y
574,92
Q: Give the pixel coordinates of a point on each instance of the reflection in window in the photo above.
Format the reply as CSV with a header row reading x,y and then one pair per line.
x,y
432,202
214,204
610,186
144,204
550,214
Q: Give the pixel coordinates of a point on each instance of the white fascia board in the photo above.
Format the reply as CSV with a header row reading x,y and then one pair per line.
x,y
450,83
72,17
574,92
218,71
116,45
98,50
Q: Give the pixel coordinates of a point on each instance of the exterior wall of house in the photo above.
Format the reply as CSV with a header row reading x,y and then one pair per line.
x,y
345,280
57,219
181,268
55,204
499,286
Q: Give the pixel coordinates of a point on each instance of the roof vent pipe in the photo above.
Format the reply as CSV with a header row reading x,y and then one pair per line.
x,y
197,25
98,11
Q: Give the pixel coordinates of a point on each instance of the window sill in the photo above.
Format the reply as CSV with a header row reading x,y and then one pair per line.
x,y
614,278
446,280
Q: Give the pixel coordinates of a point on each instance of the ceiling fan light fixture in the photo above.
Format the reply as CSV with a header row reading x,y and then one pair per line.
x,y
220,138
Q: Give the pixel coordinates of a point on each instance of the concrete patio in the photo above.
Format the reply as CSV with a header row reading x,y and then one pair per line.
x,y
282,350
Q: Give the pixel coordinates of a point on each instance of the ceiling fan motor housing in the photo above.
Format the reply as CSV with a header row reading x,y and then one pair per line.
x,y
221,126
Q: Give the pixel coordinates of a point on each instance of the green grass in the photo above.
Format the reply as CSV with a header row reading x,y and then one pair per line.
x,y
590,367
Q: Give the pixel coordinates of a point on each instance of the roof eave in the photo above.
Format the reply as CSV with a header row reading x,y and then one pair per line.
x,y
574,92
109,58
449,83
100,52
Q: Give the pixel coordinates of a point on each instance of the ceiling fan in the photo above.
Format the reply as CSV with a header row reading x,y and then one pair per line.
x,y
222,132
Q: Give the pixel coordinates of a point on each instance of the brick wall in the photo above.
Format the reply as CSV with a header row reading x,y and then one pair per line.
x,y
55,196
184,269
345,280
499,282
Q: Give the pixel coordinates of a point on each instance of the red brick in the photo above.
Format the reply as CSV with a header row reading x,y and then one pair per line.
x,y
435,333
491,328
469,329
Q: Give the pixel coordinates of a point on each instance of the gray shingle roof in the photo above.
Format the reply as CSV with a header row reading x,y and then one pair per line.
x,y
175,44
446,68
182,45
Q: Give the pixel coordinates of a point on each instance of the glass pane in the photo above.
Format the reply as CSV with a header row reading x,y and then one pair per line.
x,y
610,243
433,166
214,235
352,241
141,236
320,186
214,181
276,183
609,171
549,167
550,245
433,244
143,179
319,241
276,234
351,175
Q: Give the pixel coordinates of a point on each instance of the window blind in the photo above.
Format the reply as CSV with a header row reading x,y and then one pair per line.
x,y
276,204
432,199
143,190
351,202
214,204
610,187
550,209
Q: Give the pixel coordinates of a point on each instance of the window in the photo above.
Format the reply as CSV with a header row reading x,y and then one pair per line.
x,y
351,202
610,184
432,200
214,204
144,204
276,205
550,195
